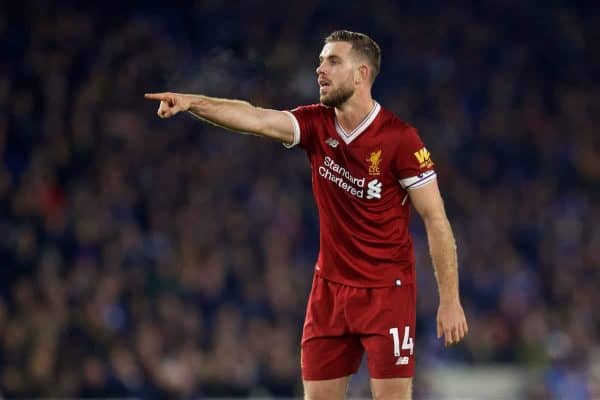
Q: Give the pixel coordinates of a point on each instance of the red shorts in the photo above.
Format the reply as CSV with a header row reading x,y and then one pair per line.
x,y
343,321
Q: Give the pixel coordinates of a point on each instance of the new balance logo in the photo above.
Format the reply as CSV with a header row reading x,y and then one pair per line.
x,y
332,142
374,189
402,361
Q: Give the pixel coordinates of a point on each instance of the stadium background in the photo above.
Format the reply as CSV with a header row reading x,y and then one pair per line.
x,y
171,259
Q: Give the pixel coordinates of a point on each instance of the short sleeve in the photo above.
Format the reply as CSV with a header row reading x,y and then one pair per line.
x,y
414,165
303,120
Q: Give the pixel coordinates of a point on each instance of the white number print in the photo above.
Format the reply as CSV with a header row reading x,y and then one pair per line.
x,y
407,342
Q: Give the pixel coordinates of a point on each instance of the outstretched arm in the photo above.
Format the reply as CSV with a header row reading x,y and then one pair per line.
x,y
451,321
235,115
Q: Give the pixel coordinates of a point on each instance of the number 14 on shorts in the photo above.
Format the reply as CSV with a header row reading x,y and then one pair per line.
x,y
407,344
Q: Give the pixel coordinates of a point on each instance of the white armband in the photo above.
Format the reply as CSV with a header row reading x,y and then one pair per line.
x,y
414,182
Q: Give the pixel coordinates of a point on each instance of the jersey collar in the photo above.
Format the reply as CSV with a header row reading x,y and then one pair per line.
x,y
348,137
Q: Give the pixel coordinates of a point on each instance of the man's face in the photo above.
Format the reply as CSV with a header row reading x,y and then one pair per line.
x,y
335,73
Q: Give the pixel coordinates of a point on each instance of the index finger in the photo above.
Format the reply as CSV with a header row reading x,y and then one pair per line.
x,y
156,96
448,338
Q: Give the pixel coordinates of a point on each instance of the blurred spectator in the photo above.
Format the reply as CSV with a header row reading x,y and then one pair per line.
x,y
172,259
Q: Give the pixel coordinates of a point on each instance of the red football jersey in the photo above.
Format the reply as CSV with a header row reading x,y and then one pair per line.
x,y
360,181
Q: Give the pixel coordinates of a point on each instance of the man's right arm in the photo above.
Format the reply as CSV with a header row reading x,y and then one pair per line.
x,y
235,115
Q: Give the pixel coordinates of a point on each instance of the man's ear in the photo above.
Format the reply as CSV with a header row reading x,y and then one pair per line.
x,y
363,73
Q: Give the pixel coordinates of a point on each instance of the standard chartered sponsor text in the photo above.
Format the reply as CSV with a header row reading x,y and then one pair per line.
x,y
340,176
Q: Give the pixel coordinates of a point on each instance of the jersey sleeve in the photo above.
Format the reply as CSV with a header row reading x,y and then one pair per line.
x,y
414,166
303,120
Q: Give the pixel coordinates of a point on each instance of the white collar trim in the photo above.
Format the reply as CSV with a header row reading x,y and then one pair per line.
x,y
348,137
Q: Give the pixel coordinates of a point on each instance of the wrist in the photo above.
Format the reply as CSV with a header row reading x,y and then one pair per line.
x,y
192,103
449,299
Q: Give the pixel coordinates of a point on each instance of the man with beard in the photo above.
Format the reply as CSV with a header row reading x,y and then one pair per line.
x,y
368,166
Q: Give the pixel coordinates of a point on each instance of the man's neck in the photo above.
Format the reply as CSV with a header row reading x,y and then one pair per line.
x,y
354,111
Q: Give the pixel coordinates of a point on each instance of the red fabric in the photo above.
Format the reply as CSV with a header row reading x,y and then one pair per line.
x,y
364,242
343,321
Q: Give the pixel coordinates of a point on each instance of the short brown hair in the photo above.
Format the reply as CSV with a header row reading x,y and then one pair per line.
x,y
361,44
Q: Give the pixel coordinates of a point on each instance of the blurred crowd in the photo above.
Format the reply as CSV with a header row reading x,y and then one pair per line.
x,y
172,259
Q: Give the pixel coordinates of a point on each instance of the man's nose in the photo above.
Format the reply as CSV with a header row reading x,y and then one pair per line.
x,y
319,69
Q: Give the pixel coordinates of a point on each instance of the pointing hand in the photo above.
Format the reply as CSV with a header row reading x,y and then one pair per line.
x,y
170,103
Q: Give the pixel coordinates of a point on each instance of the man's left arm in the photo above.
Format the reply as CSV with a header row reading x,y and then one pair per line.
x,y
451,321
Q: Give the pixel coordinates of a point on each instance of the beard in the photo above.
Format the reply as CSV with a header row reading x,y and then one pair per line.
x,y
337,97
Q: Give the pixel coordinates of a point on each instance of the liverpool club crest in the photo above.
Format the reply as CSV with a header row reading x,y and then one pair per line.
x,y
374,160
